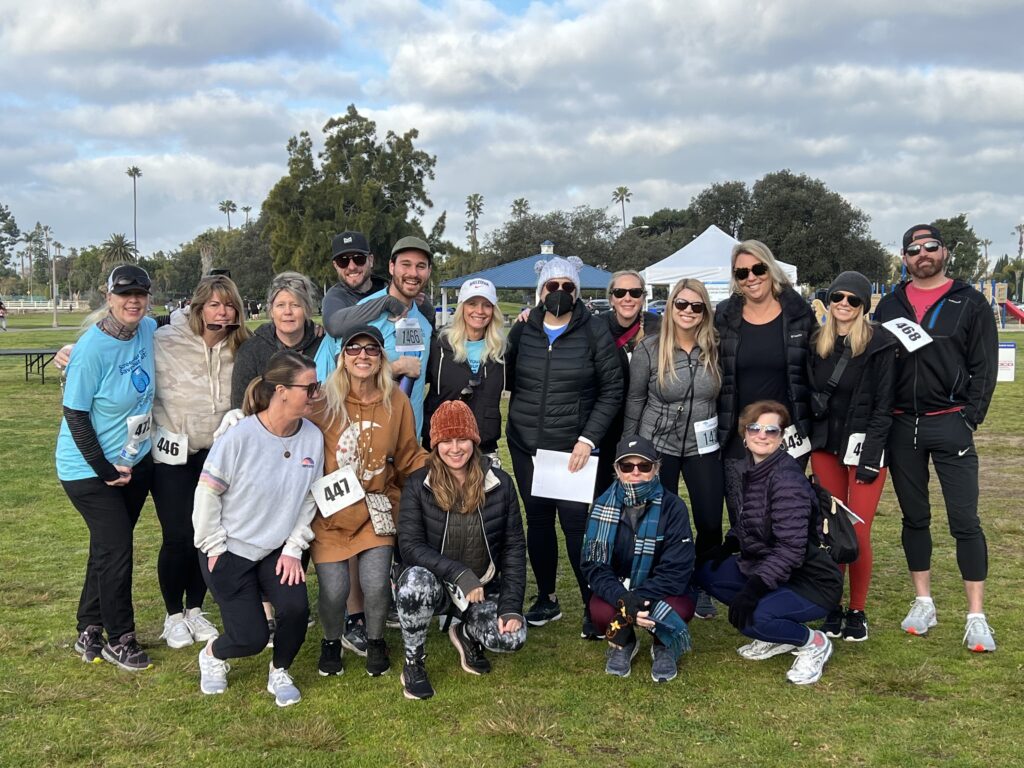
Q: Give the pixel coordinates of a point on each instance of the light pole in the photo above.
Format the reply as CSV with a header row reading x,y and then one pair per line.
x,y
53,274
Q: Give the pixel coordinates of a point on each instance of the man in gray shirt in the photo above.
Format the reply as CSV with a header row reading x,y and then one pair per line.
x,y
353,262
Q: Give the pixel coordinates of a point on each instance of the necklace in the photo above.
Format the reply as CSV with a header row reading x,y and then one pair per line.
x,y
270,429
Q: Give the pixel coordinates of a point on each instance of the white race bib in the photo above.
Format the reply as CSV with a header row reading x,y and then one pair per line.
x,y
707,435
138,431
336,491
854,449
910,334
170,447
408,335
795,445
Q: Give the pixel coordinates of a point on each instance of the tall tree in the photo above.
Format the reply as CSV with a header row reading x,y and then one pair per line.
x,y
474,209
583,231
520,207
622,195
134,172
9,235
228,207
725,205
245,210
965,262
117,249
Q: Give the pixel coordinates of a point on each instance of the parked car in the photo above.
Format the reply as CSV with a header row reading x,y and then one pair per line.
x,y
599,306
657,306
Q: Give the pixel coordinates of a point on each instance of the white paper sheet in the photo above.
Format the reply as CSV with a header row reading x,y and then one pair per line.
x,y
553,480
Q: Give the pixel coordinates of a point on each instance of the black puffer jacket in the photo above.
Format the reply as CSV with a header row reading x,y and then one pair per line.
x,y
868,398
447,378
798,322
252,357
422,526
564,390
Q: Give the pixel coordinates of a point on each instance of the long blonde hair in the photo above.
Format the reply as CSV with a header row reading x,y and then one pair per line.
x,y
449,494
224,287
857,339
762,253
706,335
494,337
339,384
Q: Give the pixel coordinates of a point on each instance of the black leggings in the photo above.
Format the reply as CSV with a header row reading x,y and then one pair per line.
x,y
541,539
177,566
705,488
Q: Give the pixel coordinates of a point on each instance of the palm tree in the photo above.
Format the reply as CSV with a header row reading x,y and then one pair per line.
x,y
134,172
520,207
474,208
228,207
246,209
622,195
117,249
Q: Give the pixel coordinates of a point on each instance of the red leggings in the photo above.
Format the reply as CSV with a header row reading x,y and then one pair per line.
x,y
840,480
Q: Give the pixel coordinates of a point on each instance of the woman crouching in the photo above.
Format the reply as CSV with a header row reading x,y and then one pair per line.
x,y
638,558
461,539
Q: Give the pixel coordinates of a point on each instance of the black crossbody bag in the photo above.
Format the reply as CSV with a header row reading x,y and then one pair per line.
x,y
819,400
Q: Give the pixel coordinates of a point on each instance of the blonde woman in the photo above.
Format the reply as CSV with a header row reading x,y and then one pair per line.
x,y
467,362
673,401
370,436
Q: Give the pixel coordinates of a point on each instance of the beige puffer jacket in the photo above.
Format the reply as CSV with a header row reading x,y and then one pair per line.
x,y
193,383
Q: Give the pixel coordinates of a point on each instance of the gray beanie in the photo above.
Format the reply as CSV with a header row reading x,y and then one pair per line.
x,y
855,283
558,267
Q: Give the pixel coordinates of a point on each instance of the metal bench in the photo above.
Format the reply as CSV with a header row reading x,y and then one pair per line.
x,y
36,360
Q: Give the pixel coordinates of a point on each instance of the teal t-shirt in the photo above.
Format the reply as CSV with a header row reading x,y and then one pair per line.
x,y
114,381
474,353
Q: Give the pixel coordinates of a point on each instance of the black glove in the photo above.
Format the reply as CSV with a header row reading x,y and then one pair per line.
x,y
867,474
633,604
717,554
742,607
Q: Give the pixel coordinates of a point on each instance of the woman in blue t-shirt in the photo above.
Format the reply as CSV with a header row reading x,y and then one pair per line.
x,y
103,460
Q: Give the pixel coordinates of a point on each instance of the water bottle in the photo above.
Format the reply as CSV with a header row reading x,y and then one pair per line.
x,y
128,454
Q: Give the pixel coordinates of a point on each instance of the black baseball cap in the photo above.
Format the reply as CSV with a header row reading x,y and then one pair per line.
x,y
128,278
349,242
908,236
634,445
364,330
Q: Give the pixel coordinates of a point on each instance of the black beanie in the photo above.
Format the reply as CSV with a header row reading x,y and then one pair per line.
x,y
855,283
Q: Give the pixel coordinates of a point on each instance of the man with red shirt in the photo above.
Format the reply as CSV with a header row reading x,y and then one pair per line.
x,y
945,377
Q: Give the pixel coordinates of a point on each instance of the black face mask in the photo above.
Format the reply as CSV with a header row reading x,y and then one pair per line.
x,y
559,303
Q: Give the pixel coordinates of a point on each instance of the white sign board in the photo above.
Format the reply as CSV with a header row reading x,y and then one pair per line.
x,y
1007,360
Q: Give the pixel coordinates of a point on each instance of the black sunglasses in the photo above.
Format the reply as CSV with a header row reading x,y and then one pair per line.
x,y
553,285
837,298
312,390
359,259
221,327
760,270
697,307
138,280
371,350
620,293
931,247
467,391
626,467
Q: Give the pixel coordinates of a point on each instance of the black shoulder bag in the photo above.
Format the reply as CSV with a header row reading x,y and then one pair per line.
x,y
819,400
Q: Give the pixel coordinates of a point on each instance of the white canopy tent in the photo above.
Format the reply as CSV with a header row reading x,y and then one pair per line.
x,y
705,258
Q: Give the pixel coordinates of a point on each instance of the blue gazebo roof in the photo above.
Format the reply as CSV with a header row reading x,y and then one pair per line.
x,y
520,274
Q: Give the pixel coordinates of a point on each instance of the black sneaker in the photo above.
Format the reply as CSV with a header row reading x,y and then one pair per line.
x,y
833,624
127,654
354,638
471,653
378,659
415,682
330,658
542,611
705,607
588,631
392,621
856,628
89,644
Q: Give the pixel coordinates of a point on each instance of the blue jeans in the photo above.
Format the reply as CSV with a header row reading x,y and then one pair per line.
x,y
780,615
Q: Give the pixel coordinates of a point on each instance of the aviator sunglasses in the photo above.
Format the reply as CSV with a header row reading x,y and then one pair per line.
x,y
697,307
553,285
770,430
931,247
371,350
359,259
620,293
837,298
760,270
626,467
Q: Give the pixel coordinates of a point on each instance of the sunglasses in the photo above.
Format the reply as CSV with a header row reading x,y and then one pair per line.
x,y
371,350
620,293
312,390
359,260
553,285
127,280
931,247
837,298
770,430
221,327
760,270
467,391
697,307
626,467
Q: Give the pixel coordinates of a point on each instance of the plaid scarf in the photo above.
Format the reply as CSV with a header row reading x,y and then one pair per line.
x,y
599,543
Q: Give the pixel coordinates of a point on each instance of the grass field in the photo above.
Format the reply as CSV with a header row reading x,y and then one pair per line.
x,y
894,700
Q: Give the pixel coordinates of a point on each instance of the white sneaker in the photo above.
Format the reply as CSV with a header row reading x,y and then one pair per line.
x,y
759,650
810,662
213,673
201,628
280,683
920,618
979,635
176,631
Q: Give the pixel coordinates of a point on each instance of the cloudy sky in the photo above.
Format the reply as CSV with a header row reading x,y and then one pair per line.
x,y
911,114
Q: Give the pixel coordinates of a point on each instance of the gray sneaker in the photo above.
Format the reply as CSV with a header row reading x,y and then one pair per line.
x,y
920,618
979,635
759,650
810,662
89,644
620,659
663,666
280,683
213,674
354,638
705,608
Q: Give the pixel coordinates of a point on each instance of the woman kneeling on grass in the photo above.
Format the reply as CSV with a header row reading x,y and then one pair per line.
x,y
769,570
461,539
253,508
638,559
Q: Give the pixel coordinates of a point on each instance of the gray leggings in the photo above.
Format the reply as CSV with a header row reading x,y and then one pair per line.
x,y
420,594
374,578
